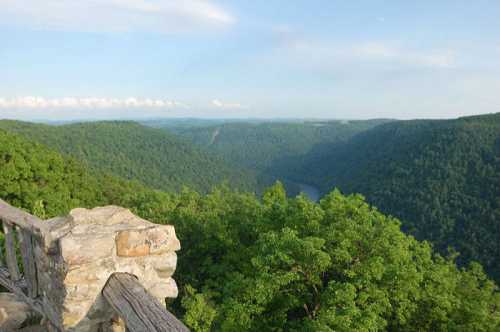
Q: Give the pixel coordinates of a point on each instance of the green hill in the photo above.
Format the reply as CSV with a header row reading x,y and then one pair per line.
x,y
40,180
273,149
276,263
442,178
132,151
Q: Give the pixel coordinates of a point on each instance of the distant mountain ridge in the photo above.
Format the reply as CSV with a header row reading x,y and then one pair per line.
x,y
133,151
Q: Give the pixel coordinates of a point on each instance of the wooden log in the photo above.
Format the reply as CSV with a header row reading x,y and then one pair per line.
x,y
139,309
29,264
10,252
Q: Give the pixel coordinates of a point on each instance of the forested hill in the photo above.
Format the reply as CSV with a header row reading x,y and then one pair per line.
x,y
441,178
276,263
43,182
271,148
133,151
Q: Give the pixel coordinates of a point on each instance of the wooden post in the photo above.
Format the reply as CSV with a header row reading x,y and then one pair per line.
x,y
1,249
29,264
140,311
10,252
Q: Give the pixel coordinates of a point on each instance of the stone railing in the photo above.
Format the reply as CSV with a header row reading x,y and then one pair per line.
x,y
93,270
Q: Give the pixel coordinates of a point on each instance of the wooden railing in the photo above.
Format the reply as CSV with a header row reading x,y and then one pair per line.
x,y
20,230
138,309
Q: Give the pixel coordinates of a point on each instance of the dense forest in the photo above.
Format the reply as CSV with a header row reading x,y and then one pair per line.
x,y
272,149
272,263
40,180
441,178
132,151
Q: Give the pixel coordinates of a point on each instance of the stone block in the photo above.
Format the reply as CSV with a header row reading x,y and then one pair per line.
x,y
87,247
150,241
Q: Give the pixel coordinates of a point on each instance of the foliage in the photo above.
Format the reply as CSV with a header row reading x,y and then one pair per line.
x,y
277,263
132,151
441,178
288,264
199,314
46,184
272,149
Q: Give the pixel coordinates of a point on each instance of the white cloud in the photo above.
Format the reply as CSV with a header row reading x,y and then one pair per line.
x,y
224,105
30,102
115,15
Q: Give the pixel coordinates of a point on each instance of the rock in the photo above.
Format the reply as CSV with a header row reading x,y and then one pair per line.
x,y
142,242
86,248
82,249
13,312
169,287
164,265
132,244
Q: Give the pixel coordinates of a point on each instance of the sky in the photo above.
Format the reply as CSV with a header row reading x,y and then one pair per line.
x,y
101,59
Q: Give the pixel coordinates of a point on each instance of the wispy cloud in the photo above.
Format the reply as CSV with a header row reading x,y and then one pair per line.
x,y
115,15
312,52
323,54
30,102
383,52
224,105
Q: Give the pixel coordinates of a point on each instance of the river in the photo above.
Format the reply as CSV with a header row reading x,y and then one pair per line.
x,y
310,191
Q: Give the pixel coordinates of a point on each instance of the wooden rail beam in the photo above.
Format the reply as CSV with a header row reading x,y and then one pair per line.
x,y
15,216
139,309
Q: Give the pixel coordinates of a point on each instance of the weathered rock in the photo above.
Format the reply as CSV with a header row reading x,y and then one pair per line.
x,y
86,248
142,242
13,312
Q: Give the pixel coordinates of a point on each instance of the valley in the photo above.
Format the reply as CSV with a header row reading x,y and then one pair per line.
x,y
249,166
441,178
311,192
230,190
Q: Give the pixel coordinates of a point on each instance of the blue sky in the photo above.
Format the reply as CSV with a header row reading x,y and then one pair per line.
x,y
62,59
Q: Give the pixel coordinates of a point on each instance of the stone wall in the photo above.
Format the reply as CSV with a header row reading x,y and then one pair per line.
x,y
83,249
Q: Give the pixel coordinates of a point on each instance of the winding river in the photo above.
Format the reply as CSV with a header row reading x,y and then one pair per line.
x,y
310,191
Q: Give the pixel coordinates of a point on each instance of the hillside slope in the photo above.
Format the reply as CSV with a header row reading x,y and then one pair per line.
x,y
273,149
132,151
276,263
442,178
41,181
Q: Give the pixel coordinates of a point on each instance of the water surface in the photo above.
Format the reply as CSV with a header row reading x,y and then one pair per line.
x,y
310,191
